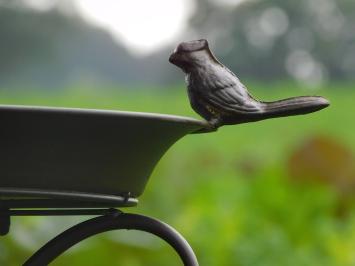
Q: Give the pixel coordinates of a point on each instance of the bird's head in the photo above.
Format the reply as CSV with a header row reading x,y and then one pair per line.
x,y
191,54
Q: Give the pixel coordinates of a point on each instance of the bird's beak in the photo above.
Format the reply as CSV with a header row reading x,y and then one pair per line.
x,y
173,58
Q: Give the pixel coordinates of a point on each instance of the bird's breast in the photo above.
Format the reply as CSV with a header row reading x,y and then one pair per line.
x,y
199,81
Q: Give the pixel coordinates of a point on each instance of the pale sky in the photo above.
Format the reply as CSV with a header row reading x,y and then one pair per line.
x,y
143,26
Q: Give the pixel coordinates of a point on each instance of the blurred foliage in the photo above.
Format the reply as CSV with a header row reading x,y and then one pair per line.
x,y
230,193
308,40
324,159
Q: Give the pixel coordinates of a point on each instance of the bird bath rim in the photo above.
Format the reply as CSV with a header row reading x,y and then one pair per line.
x,y
106,112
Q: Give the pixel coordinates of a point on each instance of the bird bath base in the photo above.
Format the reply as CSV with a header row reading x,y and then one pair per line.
x,y
108,220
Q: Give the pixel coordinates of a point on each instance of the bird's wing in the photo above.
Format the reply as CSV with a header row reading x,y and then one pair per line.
x,y
232,98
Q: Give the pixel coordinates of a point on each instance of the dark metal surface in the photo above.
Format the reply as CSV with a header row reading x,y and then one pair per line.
x,y
113,221
217,94
54,212
4,222
30,198
89,151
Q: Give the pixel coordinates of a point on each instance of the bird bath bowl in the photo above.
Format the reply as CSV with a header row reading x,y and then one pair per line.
x,y
57,159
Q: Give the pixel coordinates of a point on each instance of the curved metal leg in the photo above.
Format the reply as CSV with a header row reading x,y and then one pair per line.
x,y
113,221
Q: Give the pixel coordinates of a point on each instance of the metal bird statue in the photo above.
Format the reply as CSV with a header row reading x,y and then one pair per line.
x,y
217,95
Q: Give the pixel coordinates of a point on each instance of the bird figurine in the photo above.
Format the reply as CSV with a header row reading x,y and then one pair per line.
x,y
218,96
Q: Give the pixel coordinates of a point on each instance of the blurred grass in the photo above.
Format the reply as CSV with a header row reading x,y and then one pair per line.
x,y
228,192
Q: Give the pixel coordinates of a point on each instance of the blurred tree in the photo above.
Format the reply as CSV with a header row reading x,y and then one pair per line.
x,y
51,49
309,40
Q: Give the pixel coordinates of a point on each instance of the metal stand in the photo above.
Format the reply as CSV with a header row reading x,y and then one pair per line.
x,y
110,219
4,222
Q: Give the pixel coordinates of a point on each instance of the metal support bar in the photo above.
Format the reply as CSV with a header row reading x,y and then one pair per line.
x,y
115,220
4,222
58,212
5,215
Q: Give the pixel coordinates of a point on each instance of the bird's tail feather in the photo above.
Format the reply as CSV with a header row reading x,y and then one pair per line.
x,y
294,106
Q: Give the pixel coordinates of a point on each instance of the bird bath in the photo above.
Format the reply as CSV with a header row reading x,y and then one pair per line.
x,y
66,161
60,161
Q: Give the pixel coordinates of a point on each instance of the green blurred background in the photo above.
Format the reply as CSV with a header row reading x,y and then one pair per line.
x,y
276,192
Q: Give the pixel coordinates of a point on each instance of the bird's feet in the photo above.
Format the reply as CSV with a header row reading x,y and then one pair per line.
x,y
214,123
